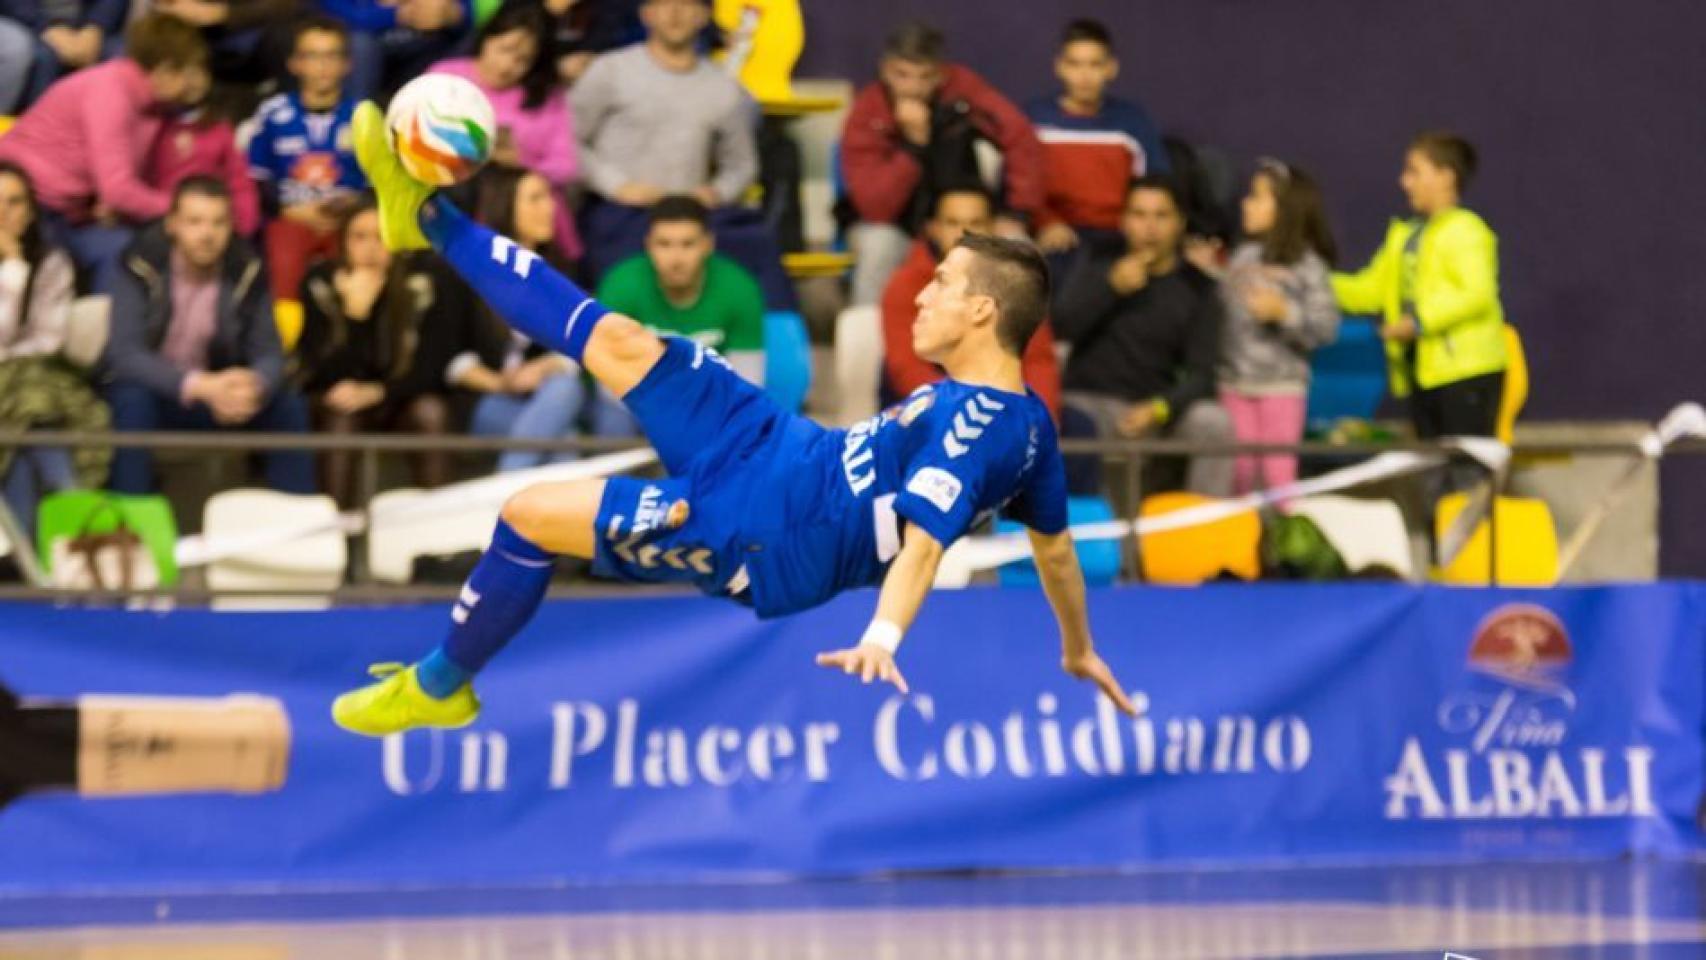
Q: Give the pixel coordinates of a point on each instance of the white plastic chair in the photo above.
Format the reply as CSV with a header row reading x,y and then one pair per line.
x,y
1365,532
87,324
311,563
858,363
395,539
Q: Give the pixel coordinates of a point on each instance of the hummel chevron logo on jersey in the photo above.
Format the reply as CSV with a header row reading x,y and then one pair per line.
x,y
978,408
650,555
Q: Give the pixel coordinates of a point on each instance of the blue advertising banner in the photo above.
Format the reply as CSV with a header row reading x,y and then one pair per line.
x,y
680,738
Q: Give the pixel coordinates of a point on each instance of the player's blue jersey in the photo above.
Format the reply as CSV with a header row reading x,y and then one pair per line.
x,y
771,508
948,457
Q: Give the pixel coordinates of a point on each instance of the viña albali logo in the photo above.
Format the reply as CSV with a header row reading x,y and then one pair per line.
x,y
1512,718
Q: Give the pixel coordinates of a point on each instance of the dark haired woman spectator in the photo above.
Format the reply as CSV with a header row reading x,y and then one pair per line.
x,y
536,130
527,390
37,389
1279,308
377,334
1435,285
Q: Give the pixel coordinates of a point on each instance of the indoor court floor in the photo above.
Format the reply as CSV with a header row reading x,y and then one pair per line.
x,y
1504,911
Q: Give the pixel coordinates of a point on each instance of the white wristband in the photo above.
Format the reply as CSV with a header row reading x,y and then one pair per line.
x,y
882,633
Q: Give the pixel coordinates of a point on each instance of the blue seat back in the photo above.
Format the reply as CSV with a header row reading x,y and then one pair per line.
x,y
1348,376
787,358
1099,558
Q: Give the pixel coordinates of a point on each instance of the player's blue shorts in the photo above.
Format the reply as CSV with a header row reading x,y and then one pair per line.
x,y
712,431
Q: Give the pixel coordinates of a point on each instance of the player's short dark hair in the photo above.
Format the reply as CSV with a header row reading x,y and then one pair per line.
x,y
1446,149
1159,183
162,40
916,42
318,23
1014,274
1086,30
200,185
680,208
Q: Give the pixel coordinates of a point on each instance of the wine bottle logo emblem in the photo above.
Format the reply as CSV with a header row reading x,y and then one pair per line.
x,y
110,746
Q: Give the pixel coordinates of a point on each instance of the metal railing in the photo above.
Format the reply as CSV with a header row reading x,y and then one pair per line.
x,y
1127,456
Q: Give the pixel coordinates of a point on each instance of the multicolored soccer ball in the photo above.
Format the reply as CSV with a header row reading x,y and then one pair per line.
x,y
441,127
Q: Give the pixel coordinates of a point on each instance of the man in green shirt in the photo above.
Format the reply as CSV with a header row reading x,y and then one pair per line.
x,y
682,286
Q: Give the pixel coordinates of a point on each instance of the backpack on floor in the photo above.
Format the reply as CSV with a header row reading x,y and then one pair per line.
x,y
95,540
1294,548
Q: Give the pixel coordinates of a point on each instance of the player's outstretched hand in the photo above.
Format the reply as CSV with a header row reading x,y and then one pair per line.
x,y
869,662
1089,666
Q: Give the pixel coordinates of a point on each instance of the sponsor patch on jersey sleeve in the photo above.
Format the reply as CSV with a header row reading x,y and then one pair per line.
x,y
936,485
916,406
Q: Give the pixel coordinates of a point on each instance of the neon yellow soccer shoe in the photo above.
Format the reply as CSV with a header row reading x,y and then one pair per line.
x,y
397,703
400,195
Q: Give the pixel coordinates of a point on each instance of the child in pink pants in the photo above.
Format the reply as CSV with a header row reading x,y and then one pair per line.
x,y
1279,308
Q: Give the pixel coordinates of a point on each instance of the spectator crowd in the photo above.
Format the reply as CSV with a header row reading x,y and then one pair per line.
x,y
192,160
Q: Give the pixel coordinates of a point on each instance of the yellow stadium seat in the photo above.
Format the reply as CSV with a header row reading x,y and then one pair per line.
x,y
1190,555
287,315
1516,386
766,36
1528,544
6,124
802,266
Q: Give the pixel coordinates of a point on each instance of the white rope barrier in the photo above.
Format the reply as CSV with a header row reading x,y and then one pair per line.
x,y
486,492
1684,421
983,553
972,554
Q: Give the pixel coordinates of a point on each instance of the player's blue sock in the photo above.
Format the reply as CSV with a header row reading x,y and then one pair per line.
x,y
439,676
499,598
528,294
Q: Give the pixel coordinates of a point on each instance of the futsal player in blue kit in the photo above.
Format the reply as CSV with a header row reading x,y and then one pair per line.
x,y
760,505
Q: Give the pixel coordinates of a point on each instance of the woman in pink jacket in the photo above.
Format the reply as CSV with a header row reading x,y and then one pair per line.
x,y
85,142
535,128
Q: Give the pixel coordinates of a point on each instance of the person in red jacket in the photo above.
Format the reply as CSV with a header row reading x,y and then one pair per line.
x,y
917,130
959,211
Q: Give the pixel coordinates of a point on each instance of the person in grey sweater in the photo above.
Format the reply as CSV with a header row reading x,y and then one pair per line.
x,y
658,119
1279,308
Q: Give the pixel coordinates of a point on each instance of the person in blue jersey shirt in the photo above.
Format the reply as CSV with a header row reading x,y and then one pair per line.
x,y
760,505
299,153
